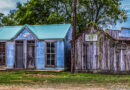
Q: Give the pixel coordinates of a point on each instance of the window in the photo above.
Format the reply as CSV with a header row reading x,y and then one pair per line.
x,y
50,54
2,53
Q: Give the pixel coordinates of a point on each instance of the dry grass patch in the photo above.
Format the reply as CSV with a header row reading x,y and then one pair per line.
x,y
42,75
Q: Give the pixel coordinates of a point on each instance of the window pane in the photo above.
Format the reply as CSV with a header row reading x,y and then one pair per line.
x,y
48,45
53,50
48,62
0,60
52,62
52,47
53,57
52,44
2,53
48,49
3,60
48,57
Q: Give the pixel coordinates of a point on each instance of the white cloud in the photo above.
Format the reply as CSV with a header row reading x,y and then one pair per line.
x,y
7,5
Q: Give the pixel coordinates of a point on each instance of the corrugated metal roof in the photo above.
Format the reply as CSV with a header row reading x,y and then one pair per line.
x,y
42,32
9,32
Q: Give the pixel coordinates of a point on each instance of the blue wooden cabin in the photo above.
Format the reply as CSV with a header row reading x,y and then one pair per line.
x,y
44,47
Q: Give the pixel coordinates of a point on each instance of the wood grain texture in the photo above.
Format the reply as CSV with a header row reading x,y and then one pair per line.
x,y
105,54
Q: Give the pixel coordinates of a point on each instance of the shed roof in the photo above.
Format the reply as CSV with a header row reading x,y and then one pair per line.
x,y
123,34
42,32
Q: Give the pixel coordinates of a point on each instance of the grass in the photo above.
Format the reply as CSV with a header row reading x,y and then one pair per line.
x,y
40,78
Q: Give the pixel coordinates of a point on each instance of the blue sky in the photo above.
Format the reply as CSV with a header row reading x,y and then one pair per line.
x,y
125,5
7,5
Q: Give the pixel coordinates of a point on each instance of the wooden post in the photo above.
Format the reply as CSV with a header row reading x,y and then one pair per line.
x,y
73,38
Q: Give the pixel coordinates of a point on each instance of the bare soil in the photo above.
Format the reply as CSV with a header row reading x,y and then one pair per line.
x,y
61,87
29,88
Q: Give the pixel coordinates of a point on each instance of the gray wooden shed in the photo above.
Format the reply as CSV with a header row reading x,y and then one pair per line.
x,y
102,51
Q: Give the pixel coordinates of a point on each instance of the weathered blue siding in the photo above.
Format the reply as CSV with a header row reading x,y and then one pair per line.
x,y
10,55
60,54
21,35
40,55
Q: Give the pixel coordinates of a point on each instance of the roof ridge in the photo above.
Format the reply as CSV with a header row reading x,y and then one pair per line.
x,y
30,29
35,25
48,24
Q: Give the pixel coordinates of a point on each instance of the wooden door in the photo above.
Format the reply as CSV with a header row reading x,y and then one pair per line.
x,y
31,54
19,55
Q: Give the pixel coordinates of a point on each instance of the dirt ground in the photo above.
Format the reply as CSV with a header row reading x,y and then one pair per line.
x,y
29,88
61,87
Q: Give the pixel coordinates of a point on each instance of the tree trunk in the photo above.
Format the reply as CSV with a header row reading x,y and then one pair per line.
x,y
73,38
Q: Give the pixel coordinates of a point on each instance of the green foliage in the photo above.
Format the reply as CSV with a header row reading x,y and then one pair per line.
x,y
55,18
1,16
33,12
6,20
101,12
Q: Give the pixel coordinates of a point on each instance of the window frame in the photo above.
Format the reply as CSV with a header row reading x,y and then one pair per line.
x,y
4,53
55,62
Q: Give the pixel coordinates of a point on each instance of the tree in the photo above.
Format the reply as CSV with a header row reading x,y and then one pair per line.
x,y
73,37
33,12
1,16
39,12
101,12
8,20
55,18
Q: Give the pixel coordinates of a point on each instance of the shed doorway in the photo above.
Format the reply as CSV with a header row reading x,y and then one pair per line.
x,y
31,54
19,55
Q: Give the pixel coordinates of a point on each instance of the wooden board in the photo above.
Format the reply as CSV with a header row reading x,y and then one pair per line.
x,y
105,54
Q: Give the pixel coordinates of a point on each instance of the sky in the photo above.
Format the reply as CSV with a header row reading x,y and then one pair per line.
x,y
126,6
7,5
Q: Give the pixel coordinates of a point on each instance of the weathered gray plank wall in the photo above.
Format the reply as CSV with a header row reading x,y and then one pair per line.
x,y
105,54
